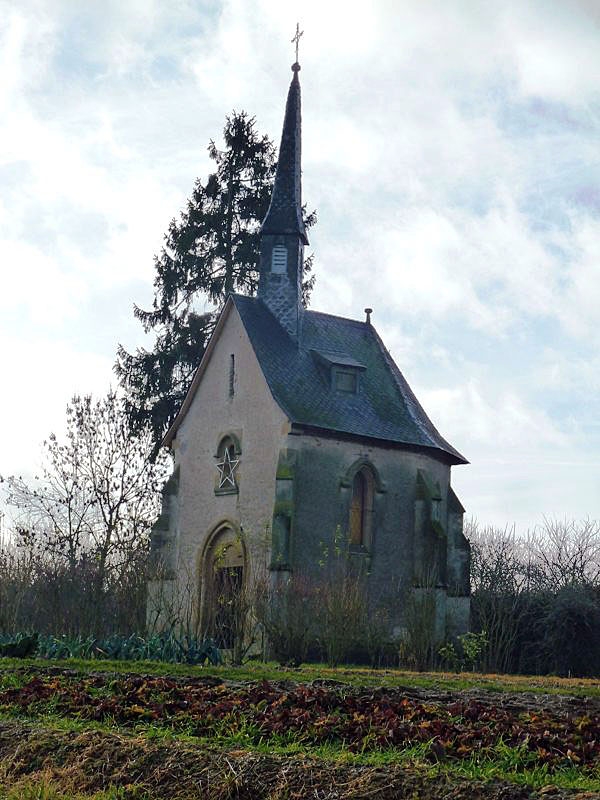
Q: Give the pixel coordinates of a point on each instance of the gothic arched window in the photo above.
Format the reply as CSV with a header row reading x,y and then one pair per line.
x,y
361,509
228,459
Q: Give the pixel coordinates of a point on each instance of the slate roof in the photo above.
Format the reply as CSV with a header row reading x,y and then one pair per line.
x,y
284,215
384,408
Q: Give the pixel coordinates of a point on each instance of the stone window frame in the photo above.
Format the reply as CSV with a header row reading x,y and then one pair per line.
x,y
227,440
375,487
231,375
360,524
227,531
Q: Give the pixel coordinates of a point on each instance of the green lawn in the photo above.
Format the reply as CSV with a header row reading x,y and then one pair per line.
x,y
352,675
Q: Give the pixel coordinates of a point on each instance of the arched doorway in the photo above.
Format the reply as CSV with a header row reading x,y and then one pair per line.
x,y
223,588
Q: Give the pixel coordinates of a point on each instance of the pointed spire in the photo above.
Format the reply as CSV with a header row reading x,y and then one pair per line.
x,y
285,211
283,235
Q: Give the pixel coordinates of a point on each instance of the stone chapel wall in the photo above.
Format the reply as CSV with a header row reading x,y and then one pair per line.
x,y
258,424
398,557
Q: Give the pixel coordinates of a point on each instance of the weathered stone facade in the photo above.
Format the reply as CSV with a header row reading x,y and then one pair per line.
x,y
299,430
294,492
412,543
199,512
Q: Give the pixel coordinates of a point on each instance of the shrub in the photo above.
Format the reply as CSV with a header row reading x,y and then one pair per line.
x,y
418,646
571,626
466,653
286,611
163,647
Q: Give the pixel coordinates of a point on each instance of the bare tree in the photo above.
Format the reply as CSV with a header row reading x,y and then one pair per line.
x,y
568,552
96,497
16,573
502,575
537,596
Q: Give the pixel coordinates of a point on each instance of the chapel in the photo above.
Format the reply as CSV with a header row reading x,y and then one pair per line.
x,y
298,428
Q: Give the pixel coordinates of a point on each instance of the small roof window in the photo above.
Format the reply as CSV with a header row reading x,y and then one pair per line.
x,y
335,358
343,370
345,380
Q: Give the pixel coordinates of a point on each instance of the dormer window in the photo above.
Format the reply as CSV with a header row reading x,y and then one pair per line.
x,y
279,259
342,371
345,380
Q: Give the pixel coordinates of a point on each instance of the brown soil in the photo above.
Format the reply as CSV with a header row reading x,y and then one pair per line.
x,y
92,760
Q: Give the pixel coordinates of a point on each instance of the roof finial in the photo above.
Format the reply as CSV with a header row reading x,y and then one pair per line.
x,y
296,39
368,312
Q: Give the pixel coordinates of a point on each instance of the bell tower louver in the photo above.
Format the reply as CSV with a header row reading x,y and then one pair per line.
x,y
282,234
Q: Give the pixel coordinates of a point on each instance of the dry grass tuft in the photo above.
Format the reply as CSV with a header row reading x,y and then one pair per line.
x,y
85,763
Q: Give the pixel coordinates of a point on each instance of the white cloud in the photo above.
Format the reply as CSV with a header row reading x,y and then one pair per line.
x,y
450,150
523,465
488,270
557,53
35,287
481,415
580,310
568,372
43,376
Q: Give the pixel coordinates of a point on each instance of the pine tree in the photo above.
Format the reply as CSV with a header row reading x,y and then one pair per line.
x,y
210,251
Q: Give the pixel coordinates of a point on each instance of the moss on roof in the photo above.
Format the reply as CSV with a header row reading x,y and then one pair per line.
x,y
384,407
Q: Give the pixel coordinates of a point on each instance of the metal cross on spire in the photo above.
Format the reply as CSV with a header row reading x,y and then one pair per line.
x,y
296,38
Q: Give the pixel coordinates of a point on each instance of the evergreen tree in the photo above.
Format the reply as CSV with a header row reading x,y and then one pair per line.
x,y
210,251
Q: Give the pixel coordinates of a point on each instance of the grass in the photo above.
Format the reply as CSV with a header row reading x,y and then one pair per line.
x,y
504,764
42,788
515,765
354,676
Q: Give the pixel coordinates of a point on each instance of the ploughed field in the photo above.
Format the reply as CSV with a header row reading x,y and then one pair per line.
x,y
208,734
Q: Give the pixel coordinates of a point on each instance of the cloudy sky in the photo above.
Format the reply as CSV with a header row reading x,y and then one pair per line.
x,y
451,149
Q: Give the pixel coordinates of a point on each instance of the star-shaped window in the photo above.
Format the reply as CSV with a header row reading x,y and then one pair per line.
x,y
226,466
